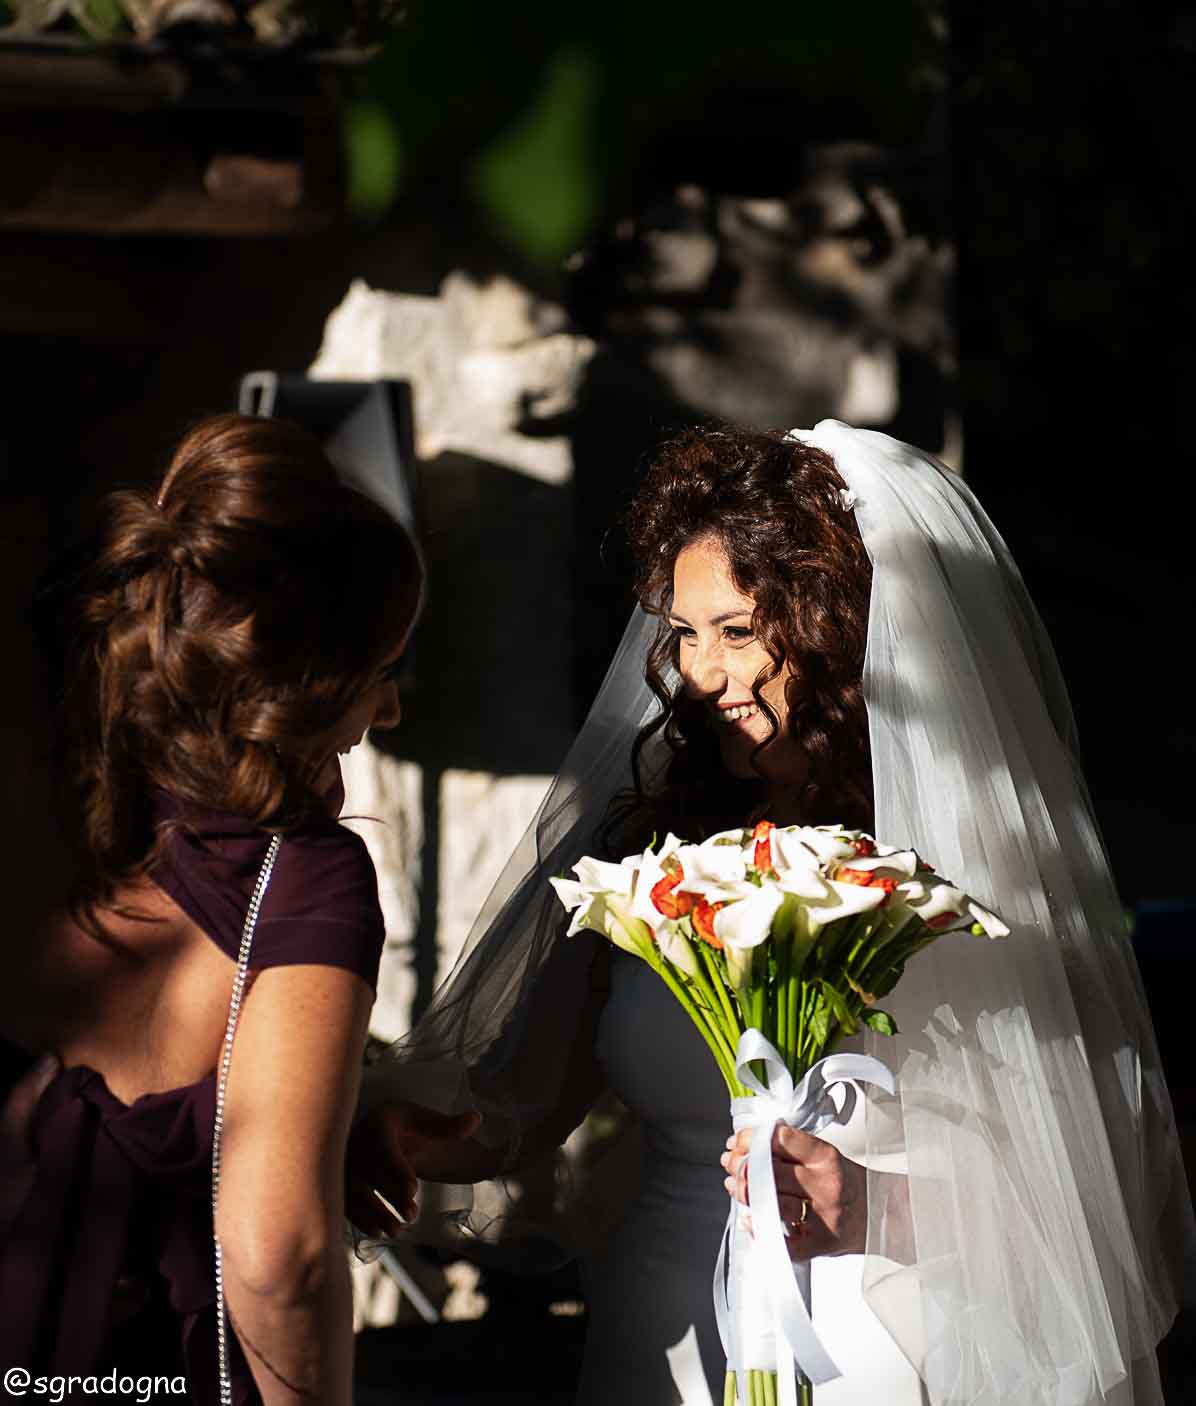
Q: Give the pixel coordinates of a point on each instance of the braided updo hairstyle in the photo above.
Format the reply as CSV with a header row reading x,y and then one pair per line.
x,y
221,624
774,506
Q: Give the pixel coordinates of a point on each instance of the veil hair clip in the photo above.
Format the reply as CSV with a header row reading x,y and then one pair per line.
x,y
848,498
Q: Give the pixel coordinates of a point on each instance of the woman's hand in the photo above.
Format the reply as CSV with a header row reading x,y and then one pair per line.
x,y
822,1195
388,1154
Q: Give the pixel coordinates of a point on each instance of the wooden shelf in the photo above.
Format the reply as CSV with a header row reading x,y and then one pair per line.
x,y
143,140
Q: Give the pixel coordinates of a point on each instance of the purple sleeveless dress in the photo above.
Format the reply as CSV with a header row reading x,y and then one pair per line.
x,y
126,1189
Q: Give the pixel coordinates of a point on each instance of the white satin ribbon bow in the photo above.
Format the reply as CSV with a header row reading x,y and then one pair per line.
x,y
810,1108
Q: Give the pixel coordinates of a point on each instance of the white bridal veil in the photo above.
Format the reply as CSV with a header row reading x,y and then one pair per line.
x,y
1048,1214
1034,1250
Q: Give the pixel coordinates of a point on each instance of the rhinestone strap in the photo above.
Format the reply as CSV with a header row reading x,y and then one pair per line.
x,y
234,1013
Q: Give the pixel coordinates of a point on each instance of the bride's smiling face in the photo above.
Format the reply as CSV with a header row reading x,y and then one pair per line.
x,y
720,659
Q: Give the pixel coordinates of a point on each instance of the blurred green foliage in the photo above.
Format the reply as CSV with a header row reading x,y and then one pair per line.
x,y
104,20
375,163
553,119
538,180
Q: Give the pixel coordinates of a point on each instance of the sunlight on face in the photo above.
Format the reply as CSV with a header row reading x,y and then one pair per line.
x,y
720,659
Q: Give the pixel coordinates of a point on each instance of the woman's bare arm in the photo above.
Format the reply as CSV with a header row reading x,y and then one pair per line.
x,y
291,1093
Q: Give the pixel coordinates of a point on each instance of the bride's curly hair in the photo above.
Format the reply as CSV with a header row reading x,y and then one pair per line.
x,y
774,506
211,630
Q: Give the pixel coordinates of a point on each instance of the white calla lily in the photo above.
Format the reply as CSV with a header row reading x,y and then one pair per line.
x,y
670,847
827,844
576,901
747,922
609,915
648,875
597,876
739,966
675,946
991,925
595,879
716,872
624,930
728,837
900,863
797,866
939,904
844,901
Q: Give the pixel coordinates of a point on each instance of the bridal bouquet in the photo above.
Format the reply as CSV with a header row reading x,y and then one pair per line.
x,y
778,943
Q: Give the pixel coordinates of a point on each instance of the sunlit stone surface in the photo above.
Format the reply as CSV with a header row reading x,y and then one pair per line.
x,y
482,360
384,805
482,819
485,363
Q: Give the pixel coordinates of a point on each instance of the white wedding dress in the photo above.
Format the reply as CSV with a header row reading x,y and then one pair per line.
x,y
652,1338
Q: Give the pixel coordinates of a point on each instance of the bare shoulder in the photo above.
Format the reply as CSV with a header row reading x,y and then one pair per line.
x,y
140,994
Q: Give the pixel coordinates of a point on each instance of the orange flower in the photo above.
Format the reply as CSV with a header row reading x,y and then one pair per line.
x,y
703,921
763,855
864,847
672,905
866,879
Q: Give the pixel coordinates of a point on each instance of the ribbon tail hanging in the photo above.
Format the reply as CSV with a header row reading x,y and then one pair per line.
x,y
796,1345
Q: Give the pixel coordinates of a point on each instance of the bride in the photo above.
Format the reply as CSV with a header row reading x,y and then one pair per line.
x,y
832,631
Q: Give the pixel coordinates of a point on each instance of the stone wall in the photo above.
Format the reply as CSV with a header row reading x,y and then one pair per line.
x,y
488,707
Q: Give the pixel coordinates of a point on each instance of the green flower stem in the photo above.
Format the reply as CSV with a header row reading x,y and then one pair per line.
x,y
705,981
884,939
763,1390
768,1013
732,1027
808,997
835,936
793,1000
782,997
717,1047
894,954
861,939
760,1019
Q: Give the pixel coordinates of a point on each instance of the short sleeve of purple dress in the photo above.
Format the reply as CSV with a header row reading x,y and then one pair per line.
x,y
121,1206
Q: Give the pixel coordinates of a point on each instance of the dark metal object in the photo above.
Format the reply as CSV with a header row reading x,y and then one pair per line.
x,y
367,429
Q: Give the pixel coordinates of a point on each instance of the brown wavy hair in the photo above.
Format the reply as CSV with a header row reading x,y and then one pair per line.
x,y
773,505
214,627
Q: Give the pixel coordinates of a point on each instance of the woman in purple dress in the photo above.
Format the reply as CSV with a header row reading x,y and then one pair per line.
x,y
227,637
